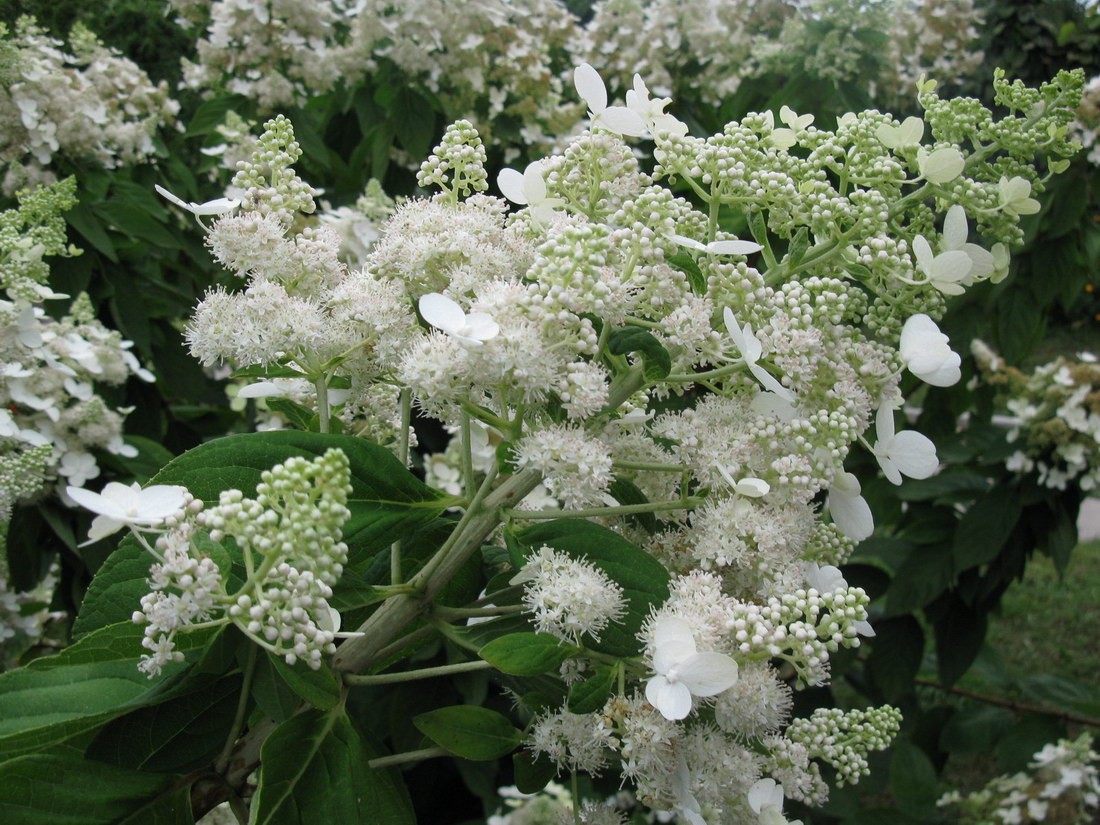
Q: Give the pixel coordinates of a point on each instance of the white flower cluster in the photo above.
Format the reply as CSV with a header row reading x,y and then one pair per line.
x,y
51,416
1061,784
1053,416
288,538
621,343
88,103
569,598
276,53
1086,128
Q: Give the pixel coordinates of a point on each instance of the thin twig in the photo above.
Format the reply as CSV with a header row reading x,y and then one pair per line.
x,y
1010,703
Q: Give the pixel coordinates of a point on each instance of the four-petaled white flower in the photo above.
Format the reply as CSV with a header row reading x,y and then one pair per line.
x,y
471,331
652,111
682,672
944,271
829,579
751,349
218,206
617,119
940,166
909,133
686,805
118,505
954,238
528,189
786,138
1015,196
849,509
766,800
731,247
927,352
78,467
905,453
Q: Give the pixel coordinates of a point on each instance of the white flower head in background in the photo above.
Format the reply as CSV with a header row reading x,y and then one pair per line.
x,y
682,672
617,119
927,353
471,331
751,349
218,206
906,453
118,506
849,509
529,189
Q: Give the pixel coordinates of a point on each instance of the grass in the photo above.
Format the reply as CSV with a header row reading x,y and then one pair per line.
x,y
1049,623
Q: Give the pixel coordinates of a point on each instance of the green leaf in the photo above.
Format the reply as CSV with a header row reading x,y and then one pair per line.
x,y
321,688
625,491
413,122
84,221
532,773
959,633
798,246
898,648
177,736
758,226
297,414
210,115
925,573
985,527
387,502
527,654
1019,743
315,770
591,695
658,363
913,778
643,579
975,729
469,731
272,694
131,219
65,789
686,264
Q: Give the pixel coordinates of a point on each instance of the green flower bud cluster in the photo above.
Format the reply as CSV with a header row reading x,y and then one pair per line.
x,y
457,164
31,232
843,740
271,185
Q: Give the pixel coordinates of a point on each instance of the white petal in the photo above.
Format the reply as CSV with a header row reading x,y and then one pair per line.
x,y
164,193
673,700
982,260
889,469
943,165
752,487
733,247
770,382
215,207
510,184
765,793
690,243
622,121
923,253
954,228
884,424
533,184
914,454
672,641
481,326
590,87
951,266
825,579
851,513
706,674
441,312
95,502
262,389
101,527
770,404
158,502
911,131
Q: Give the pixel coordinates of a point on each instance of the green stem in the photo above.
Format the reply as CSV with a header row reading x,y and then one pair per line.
x,y
452,613
238,719
414,675
592,512
651,466
406,758
576,799
467,456
320,383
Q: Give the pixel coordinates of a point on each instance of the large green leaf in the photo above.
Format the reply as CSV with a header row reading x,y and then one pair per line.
x,y
469,731
387,501
643,579
178,735
66,789
527,654
314,770
986,526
